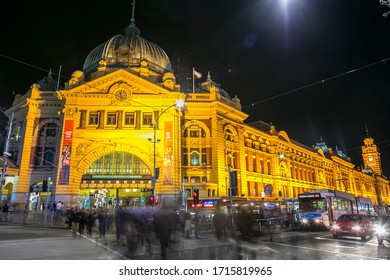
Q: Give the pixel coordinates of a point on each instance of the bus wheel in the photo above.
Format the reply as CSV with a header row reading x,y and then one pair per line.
x,y
364,237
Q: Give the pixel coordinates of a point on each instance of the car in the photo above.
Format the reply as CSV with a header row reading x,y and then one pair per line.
x,y
353,225
383,230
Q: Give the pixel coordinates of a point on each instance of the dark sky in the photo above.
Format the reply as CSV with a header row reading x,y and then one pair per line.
x,y
273,56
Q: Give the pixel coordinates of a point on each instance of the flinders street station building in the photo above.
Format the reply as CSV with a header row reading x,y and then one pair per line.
x,y
122,131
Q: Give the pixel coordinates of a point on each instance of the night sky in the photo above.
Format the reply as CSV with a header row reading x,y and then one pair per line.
x,y
313,68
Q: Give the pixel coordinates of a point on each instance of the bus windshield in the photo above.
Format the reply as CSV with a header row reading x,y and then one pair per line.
x,y
312,204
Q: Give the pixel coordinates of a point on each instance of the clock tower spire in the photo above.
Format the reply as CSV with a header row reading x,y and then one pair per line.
x,y
371,155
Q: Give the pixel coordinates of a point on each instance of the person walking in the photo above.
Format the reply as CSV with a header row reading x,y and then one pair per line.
x,y
74,221
220,221
81,219
103,220
89,223
25,214
163,225
187,224
5,211
197,219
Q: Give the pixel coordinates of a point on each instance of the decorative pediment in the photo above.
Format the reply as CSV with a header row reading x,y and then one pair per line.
x,y
107,83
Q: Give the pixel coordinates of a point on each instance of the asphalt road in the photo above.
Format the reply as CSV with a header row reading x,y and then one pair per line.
x,y
19,242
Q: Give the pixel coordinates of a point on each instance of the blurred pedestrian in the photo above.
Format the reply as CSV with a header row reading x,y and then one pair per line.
x,y
163,225
68,218
89,222
197,219
187,224
81,219
243,222
220,220
5,211
74,221
25,213
103,221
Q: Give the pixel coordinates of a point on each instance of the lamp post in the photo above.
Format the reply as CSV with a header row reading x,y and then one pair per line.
x,y
5,153
178,104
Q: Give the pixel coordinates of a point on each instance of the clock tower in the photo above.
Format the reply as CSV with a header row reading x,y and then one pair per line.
x,y
371,155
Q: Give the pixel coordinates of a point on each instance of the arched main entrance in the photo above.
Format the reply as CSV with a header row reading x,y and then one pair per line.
x,y
117,178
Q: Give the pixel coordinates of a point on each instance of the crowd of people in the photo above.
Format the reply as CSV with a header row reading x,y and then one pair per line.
x,y
135,227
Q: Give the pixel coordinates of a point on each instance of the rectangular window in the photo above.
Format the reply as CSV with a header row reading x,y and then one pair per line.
x,y
129,118
194,133
48,157
254,164
38,156
111,118
195,180
185,157
93,118
204,157
147,118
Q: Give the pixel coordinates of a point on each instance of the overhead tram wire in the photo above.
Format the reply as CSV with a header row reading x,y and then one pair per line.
x,y
243,107
319,82
385,60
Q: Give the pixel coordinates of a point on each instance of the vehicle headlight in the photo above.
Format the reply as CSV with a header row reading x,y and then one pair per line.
x,y
379,229
335,226
317,221
305,221
357,227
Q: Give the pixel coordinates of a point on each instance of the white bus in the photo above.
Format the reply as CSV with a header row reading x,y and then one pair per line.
x,y
320,208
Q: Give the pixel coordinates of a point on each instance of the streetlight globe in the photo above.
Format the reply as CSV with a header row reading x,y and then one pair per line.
x,y
179,103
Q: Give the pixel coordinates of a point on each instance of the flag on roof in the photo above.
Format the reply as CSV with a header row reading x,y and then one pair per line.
x,y
196,74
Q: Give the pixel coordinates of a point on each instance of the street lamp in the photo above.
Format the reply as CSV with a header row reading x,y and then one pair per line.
x,y
180,105
6,154
385,3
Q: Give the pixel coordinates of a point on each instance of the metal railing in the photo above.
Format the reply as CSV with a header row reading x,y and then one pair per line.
x,y
43,218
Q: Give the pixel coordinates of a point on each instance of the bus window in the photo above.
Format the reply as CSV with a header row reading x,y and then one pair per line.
x,y
312,205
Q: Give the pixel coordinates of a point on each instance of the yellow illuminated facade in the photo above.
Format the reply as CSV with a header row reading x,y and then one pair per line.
x,y
99,137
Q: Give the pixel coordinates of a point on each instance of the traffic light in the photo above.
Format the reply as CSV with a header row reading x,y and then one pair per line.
x,y
151,199
233,183
233,179
195,195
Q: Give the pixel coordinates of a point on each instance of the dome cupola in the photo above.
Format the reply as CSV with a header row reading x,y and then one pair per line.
x,y
128,51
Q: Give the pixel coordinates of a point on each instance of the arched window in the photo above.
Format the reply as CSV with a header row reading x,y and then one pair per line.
x,y
195,151
194,157
194,131
118,164
46,145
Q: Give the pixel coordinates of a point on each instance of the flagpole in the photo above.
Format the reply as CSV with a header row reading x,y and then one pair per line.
x,y
193,80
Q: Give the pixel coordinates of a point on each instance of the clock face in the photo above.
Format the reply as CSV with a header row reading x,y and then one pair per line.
x,y
121,95
370,159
